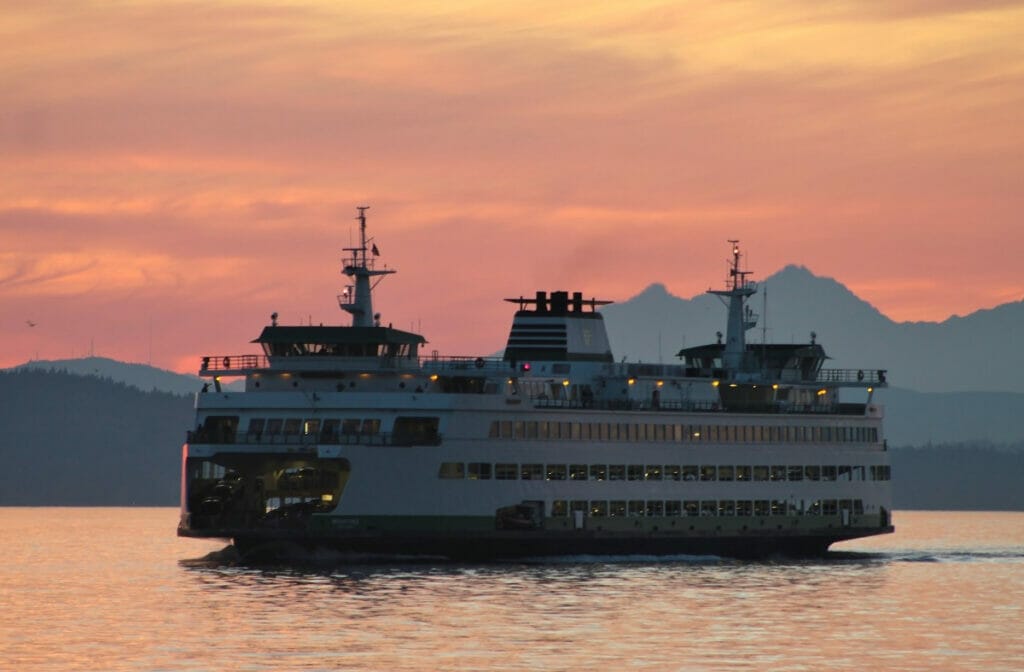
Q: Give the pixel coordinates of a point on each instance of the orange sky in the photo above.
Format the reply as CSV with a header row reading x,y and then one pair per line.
x,y
173,172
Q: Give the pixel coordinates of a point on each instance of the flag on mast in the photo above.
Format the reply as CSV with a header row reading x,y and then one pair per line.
x,y
375,251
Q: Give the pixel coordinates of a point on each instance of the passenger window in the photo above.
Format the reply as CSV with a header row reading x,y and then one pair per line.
x,y
532,472
559,508
635,472
506,472
725,473
616,472
452,470
556,472
479,471
778,472
291,426
691,508
655,507
329,431
578,472
690,472
598,472
761,472
598,509
743,473
707,472
255,430
796,473
673,508
653,472
636,507
412,431
617,508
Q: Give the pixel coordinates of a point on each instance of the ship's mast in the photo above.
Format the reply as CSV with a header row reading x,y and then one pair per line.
x,y
739,288
358,300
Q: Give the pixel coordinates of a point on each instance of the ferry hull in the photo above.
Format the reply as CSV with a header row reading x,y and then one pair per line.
x,y
270,545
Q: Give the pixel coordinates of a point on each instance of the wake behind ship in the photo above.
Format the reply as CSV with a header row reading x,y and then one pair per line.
x,y
348,438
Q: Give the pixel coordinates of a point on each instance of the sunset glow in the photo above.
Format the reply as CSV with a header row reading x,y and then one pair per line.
x,y
173,172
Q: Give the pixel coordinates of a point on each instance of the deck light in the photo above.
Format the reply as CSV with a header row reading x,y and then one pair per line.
x,y
631,381
733,385
661,383
433,377
565,383
870,390
775,386
715,383
822,392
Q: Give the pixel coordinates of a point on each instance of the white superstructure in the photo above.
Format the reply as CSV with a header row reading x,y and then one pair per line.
x,y
348,438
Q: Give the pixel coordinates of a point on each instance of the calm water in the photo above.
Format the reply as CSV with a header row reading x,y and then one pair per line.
x,y
112,589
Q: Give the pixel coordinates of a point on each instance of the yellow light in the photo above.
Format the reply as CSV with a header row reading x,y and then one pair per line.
x,y
696,435
327,497
364,376
565,383
661,383
822,392
631,381
775,386
509,381
870,390
714,383
433,377
733,385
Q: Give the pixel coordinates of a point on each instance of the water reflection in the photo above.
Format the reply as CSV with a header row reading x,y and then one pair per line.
x,y
946,592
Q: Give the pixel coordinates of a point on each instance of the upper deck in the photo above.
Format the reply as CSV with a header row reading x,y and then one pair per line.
x,y
557,356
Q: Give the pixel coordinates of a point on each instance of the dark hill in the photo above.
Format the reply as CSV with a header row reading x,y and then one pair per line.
x,y
82,440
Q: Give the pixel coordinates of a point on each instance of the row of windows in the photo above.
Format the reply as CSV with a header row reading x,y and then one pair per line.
x,y
662,472
703,508
328,427
650,431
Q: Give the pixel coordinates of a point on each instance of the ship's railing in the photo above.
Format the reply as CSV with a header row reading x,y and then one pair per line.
x,y
322,438
702,406
482,364
846,376
233,363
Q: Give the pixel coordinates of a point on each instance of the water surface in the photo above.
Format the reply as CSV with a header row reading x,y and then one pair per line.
x,y
114,589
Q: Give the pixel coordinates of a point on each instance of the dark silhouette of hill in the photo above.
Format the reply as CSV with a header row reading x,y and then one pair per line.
x,y
978,476
960,354
82,440
141,376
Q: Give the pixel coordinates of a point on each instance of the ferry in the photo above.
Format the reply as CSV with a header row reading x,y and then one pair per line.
x,y
353,440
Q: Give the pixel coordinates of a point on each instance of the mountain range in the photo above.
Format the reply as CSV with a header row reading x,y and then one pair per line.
x,y
974,353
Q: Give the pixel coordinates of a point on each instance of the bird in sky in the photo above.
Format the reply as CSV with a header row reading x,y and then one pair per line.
x,y
30,323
